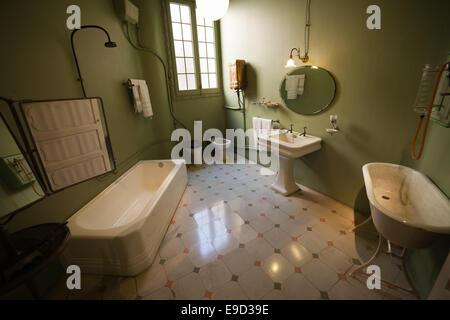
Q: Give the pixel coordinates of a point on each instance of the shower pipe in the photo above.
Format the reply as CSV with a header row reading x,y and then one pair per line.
x,y
427,121
108,44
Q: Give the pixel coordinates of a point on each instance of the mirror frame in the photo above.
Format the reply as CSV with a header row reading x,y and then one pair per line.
x,y
319,110
31,164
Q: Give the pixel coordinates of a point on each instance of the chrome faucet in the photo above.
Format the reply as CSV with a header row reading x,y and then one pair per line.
x,y
304,131
291,130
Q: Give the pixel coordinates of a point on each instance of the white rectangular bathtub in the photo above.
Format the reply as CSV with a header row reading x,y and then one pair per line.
x,y
119,231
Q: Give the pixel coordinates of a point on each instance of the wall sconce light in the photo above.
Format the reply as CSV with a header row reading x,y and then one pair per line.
x,y
291,63
305,58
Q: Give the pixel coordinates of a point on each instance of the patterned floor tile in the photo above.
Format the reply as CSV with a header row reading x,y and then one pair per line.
x,y
244,233
343,290
277,238
336,259
229,291
312,242
293,227
178,266
213,229
261,224
238,261
255,283
259,249
277,267
274,295
225,244
296,254
151,279
171,248
215,274
320,275
297,287
233,237
189,287
202,254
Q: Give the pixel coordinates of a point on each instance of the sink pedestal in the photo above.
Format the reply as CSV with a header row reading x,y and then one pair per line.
x,y
285,183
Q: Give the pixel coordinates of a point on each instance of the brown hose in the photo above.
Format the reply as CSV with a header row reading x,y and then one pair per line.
x,y
427,121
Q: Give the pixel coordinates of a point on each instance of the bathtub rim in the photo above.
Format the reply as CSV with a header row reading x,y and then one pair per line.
x,y
122,230
420,225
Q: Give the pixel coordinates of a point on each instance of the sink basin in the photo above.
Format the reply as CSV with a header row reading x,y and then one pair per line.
x,y
406,207
293,145
290,146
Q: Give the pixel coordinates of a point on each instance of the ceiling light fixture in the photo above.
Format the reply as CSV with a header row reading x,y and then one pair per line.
x,y
212,9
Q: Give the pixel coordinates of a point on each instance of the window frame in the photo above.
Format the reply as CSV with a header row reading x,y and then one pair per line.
x,y
199,92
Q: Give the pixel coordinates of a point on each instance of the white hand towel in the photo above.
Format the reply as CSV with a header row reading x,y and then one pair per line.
x,y
266,126
292,86
145,99
136,95
301,84
256,129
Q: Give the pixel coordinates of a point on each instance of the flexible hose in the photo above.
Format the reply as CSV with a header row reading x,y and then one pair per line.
x,y
427,121
166,76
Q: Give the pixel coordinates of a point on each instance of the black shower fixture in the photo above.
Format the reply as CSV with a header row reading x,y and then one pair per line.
x,y
108,44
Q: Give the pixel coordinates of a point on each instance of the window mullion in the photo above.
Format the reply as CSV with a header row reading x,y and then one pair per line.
x,y
195,45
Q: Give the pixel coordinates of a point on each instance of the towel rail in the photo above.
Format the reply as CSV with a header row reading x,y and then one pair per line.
x,y
128,84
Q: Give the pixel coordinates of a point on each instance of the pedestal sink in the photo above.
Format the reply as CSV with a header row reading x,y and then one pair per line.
x,y
290,145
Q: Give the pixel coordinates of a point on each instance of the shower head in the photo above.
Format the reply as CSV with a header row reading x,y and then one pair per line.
x,y
110,44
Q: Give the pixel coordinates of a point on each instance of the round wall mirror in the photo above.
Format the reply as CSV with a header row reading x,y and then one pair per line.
x,y
308,90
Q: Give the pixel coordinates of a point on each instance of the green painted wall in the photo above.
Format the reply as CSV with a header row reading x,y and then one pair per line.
x,y
377,74
36,63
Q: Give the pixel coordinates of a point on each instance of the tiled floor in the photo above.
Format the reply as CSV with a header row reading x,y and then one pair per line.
x,y
232,237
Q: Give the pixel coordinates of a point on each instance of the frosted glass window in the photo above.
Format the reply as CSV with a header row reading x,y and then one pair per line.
x,y
191,81
212,80
203,65
175,12
182,85
211,50
201,34
202,49
180,65
185,14
188,49
205,81
190,68
209,23
180,15
176,28
212,65
196,67
187,32
200,19
179,51
209,35
207,49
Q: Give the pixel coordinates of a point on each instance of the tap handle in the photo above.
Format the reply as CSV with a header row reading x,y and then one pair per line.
x,y
304,131
292,126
